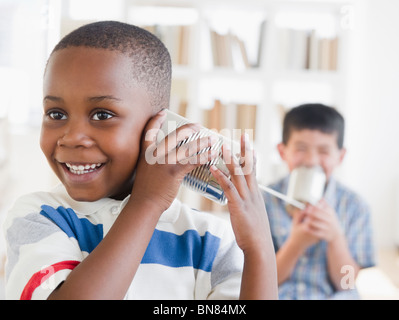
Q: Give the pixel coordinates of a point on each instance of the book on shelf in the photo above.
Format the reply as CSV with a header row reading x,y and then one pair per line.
x,y
229,50
306,50
261,43
231,119
176,38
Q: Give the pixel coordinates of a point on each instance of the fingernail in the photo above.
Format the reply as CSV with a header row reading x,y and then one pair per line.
x,y
248,143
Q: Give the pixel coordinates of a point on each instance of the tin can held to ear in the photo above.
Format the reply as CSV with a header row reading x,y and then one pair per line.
x,y
307,184
201,179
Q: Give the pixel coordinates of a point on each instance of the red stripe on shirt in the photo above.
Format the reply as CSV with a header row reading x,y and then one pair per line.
x,y
39,277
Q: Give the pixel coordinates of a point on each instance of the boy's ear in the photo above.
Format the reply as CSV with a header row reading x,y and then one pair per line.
x,y
281,150
342,155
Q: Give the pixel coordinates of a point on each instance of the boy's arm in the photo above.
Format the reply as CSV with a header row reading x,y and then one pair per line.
x,y
107,272
323,223
110,268
286,258
291,251
250,225
339,256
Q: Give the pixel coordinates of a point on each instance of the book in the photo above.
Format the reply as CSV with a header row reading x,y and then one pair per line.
x,y
312,54
246,119
176,39
230,51
232,119
306,50
261,46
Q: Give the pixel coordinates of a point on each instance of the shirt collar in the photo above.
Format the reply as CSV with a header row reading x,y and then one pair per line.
x,y
83,207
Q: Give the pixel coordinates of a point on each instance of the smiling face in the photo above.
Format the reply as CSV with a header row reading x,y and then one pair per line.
x,y
312,148
93,120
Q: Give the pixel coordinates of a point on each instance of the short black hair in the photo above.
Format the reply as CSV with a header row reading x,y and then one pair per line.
x,y
151,63
314,116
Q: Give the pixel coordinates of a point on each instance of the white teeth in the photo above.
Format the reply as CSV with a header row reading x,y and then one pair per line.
x,y
82,169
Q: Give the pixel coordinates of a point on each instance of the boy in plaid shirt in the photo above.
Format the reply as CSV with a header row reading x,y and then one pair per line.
x,y
320,249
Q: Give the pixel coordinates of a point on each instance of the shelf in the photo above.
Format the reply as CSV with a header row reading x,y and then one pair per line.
x,y
222,72
183,72
307,76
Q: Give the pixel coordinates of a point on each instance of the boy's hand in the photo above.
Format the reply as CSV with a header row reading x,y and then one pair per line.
x,y
314,223
246,206
300,234
322,221
162,167
250,224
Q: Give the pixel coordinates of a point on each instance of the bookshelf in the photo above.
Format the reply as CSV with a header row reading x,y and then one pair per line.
x,y
260,56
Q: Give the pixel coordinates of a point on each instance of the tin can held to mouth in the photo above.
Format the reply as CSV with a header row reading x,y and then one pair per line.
x,y
201,179
307,184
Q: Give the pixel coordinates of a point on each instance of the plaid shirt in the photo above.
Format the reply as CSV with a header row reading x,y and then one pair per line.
x,y
310,279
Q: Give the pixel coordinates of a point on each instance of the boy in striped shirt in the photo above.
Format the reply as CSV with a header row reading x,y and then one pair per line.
x,y
114,229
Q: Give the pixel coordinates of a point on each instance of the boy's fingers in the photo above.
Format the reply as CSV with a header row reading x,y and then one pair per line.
x,y
152,128
237,176
186,131
190,150
227,185
166,148
248,161
296,218
177,138
199,159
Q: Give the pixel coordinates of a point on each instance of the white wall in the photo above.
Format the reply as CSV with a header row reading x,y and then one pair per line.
x,y
372,163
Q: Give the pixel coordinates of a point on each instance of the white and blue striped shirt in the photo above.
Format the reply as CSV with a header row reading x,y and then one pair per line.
x,y
191,255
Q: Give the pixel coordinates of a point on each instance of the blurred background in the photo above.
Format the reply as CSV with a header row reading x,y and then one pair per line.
x,y
237,64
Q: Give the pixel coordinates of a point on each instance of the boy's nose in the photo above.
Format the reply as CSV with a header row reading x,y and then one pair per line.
x,y
312,159
76,135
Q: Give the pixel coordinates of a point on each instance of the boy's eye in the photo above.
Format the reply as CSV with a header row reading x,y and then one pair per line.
x,y
56,115
102,115
324,151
